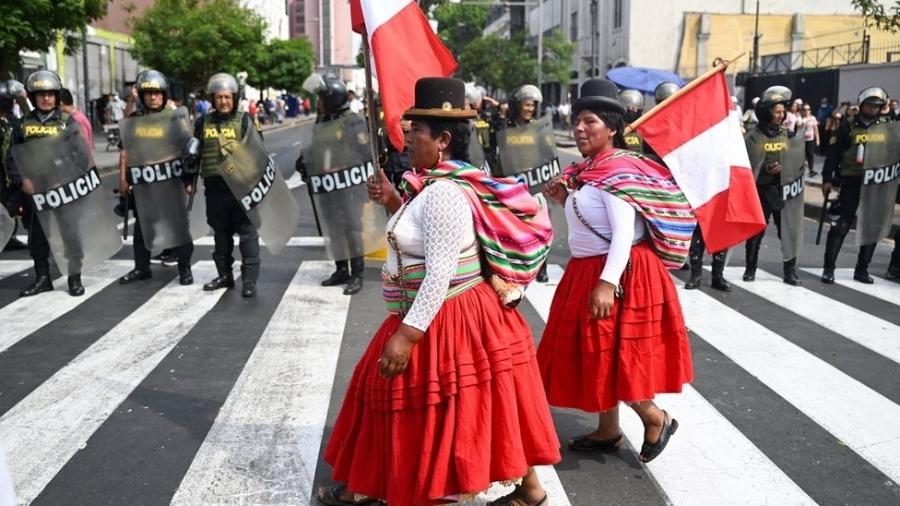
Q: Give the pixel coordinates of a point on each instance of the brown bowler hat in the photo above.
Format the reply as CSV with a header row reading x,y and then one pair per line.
x,y
440,97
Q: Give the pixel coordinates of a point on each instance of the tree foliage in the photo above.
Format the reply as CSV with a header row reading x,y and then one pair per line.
x,y
284,64
459,24
33,25
498,63
557,63
885,18
190,40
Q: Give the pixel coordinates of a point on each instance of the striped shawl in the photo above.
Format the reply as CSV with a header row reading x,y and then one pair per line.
x,y
513,227
651,190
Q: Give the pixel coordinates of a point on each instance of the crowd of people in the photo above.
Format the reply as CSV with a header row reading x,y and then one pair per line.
x,y
451,394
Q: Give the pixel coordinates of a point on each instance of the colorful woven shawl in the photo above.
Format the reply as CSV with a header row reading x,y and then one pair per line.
x,y
513,227
651,190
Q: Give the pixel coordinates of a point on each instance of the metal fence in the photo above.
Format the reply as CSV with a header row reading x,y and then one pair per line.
x,y
832,56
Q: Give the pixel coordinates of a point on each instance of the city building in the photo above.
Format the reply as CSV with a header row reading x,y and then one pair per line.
x,y
686,36
274,13
326,23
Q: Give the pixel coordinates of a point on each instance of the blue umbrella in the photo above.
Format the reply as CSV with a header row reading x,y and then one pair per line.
x,y
641,79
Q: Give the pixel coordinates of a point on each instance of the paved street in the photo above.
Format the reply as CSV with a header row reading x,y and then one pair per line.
x,y
154,393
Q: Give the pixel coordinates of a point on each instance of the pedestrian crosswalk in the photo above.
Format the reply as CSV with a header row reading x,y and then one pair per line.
x,y
776,415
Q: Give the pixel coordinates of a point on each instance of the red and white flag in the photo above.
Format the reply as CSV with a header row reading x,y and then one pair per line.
x,y
404,48
698,135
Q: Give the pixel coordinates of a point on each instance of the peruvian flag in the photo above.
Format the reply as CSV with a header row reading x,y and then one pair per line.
x,y
698,135
404,48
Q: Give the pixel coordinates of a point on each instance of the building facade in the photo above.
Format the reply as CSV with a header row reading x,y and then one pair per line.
x,y
326,23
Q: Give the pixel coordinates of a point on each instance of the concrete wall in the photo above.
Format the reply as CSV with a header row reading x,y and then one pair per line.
x,y
274,12
855,78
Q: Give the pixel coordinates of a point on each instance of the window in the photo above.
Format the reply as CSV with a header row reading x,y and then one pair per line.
x,y
573,27
617,14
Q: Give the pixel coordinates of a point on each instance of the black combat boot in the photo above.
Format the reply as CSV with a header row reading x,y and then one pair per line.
x,y
225,279
135,275
718,272
248,289
833,244
861,272
790,272
41,284
752,255
695,262
354,285
76,289
338,277
185,276
542,274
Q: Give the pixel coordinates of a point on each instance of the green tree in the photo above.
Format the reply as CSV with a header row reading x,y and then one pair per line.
x,y
498,63
459,24
284,64
190,40
557,63
885,18
33,25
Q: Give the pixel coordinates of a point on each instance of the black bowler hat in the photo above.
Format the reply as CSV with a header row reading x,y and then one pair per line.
x,y
440,97
598,94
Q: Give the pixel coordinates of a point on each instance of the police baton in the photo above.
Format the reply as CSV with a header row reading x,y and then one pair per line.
x,y
194,180
822,216
192,151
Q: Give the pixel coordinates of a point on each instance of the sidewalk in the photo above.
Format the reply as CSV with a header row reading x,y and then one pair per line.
x,y
106,157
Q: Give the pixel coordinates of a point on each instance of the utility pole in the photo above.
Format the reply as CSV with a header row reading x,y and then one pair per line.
x,y
87,83
540,55
594,14
754,65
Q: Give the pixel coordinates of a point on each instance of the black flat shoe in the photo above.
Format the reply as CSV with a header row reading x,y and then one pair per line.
x,y
332,497
692,283
135,275
185,276
353,286
749,275
76,289
720,284
587,444
863,277
508,499
219,282
41,284
828,277
650,451
248,289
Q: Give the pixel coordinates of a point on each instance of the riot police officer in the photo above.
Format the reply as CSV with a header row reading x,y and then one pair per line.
x,y
333,104
770,110
43,88
633,101
10,194
220,131
843,168
153,93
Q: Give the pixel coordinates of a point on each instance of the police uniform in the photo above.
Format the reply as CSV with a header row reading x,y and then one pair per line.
x,y
10,194
334,105
633,101
223,211
844,169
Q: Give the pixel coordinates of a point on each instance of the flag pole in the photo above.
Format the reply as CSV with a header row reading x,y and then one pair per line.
x,y
688,87
370,101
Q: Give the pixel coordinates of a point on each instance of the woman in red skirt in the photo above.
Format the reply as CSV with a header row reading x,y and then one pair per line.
x,y
615,332
447,398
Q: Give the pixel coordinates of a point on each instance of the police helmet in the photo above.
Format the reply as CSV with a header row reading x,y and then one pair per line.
x,y
42,80
222,82
776,95
665,90
473,94
332,92
152,80
873,95
528,92
632,99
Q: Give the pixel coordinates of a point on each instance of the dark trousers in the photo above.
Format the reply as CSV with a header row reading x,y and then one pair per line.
x,y
38,247
225,216
847,204
142,254
811,155
355,266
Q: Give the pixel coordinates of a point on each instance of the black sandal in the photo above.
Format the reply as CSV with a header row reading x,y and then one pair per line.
x,y
650,451
587,444
507,500
332,497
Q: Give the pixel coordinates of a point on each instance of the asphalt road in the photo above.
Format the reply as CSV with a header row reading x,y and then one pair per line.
x,y
152,393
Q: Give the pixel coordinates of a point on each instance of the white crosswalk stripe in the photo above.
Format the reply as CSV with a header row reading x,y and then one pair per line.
x,y
264,445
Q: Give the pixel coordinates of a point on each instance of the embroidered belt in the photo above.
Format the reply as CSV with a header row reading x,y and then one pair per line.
x,y
400,291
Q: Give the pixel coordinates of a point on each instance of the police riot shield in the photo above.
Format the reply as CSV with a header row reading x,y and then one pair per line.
x,y
338,162
755,142
879,186
7,227
792,170
476,149
154,145
260,189
528,153
77,220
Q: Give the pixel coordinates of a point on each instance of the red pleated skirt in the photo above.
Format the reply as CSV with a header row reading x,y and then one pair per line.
x,y
469,410
640,350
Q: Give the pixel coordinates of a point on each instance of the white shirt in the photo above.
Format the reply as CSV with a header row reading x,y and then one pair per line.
x,y
610,216
435,228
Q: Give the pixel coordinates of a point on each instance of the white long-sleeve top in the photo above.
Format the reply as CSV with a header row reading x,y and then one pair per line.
x,y
610,216
435,228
